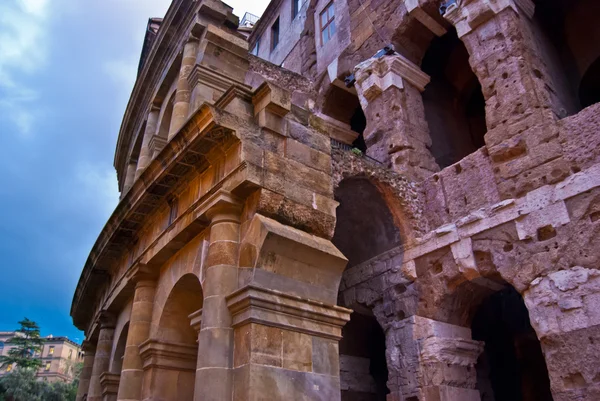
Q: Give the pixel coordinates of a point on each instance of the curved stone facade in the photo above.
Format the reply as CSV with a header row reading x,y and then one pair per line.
x,y
416,223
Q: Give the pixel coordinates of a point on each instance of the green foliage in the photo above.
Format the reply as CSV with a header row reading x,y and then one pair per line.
x,y
357,151
25,344
21,385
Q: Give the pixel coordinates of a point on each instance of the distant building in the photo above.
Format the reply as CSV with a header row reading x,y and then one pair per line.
x,y
59,356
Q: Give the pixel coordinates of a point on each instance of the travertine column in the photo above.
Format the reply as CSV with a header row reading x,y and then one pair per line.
x,y
182,96
89,351
146,153
397,133
130,387
102,356
129,178
215,340
431,361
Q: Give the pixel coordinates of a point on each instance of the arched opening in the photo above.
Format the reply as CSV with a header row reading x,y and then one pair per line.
x,y
453,101
117,362
365,226
364,229
512,366
166,116
344,106
568,36
179,339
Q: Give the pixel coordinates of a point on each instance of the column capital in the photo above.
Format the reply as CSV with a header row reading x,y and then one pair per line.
x,y
375,75
142,275
471,13
196,320
107,320
110,383
223,206
88,347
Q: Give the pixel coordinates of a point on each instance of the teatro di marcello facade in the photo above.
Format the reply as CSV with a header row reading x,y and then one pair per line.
x,y
354,200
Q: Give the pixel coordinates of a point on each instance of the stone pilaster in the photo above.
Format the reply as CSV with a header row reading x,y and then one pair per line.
x,y
520,92
146,152
165,366
89,351
563,308
102,356
110,385
181,107
397,134
132,374
130,177
431,361
222,62
215,340
285,346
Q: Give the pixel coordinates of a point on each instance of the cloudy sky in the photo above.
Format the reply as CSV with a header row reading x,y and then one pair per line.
x,y
67,68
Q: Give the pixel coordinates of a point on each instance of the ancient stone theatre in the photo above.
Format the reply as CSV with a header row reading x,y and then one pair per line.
x,y
354,200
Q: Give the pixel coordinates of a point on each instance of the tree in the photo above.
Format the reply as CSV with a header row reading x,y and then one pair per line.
x,y
21,385
26,343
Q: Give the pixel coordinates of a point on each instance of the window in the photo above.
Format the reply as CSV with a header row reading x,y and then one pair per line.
x,y
296,6
51,351
70,353
327,23
9,368
48,364
256,48
275,34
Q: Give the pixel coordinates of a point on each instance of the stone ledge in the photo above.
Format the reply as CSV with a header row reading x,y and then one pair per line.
x,y
166,355
253,304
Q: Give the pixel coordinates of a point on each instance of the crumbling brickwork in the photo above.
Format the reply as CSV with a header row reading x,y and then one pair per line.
x,y
405,209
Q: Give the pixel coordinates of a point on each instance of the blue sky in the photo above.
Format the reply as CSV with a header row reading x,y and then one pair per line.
x,y
67,68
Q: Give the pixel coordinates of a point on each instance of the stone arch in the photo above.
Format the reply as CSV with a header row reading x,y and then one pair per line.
x,y
119,352
172,351
166,115
512,366
184,299
453,101
403,199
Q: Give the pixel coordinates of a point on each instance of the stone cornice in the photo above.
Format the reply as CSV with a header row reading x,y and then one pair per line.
x,y
205,130
167,355
178,19
253,304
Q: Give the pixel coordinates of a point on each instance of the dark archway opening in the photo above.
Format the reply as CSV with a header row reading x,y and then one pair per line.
x,y
589,90
453,100
344,106
568,36
117,363
363,366
365,226
512,367
365,229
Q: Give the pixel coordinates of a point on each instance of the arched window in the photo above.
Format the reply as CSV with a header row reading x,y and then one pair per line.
x,y
453,101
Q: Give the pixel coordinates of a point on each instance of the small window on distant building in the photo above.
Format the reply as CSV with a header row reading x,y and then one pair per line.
x,y
327,23
70,353
296,6
256,48
9,368
51,351
275,34
48,364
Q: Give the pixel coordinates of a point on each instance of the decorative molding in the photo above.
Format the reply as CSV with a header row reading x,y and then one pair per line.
x,y
267,307
472,13
110,383
196,320
166,355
